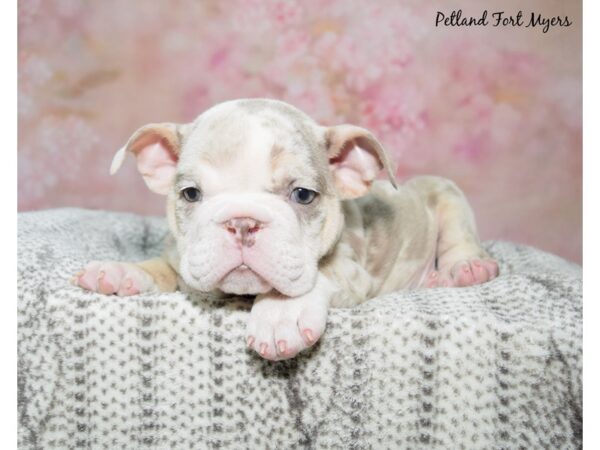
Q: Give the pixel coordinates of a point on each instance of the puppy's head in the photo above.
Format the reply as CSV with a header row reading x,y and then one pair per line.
x,y
254,191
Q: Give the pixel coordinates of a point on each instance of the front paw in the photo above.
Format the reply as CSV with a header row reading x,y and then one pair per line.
x,y
112,277
279,328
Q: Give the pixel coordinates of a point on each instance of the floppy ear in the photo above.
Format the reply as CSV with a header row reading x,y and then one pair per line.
x,y
355,159
156,148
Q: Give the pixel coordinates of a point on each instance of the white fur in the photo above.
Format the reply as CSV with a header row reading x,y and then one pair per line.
x,y
274,319
279,255
118,160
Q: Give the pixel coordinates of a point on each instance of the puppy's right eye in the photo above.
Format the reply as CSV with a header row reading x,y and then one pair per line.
x,y
191,194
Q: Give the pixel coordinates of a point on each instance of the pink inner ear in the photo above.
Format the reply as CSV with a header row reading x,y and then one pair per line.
x,y
354,170
157,164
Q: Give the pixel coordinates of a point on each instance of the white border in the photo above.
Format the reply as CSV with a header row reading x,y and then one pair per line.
x,y
8,224
591,221
591,248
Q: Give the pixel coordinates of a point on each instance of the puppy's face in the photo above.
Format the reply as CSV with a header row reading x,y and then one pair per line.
x,y
254,190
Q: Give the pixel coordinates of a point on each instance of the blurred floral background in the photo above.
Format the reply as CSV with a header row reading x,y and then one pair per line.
x,y
498,110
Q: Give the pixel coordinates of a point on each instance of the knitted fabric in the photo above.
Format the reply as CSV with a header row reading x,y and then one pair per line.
x,y
490,366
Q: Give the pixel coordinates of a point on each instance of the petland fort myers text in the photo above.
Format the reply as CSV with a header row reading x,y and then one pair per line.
x,y
501,19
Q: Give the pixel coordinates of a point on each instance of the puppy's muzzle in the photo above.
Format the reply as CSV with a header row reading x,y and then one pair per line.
x,y
244,229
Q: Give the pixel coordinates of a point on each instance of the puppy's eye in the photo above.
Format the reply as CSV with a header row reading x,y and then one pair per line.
x,y
303,196
191,194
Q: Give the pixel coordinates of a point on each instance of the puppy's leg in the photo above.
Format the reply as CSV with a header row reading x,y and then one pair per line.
x,y
279,327
461,260
120,278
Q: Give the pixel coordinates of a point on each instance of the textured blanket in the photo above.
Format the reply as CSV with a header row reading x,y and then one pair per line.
x,y
491,366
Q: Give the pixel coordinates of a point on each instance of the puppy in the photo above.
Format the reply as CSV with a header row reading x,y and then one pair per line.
x,y
263,201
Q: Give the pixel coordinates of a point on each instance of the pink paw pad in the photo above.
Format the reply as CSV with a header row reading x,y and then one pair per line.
x,y
474,271
107,283
113,278
282,347
463,274
308,337
263,349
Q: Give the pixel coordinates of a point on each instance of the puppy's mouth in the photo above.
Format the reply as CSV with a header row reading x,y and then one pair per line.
x,y
242,269
243,280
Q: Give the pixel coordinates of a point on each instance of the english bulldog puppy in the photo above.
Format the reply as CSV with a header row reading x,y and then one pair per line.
x,y
263,201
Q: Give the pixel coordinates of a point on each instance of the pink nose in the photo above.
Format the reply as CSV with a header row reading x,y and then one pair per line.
x,y
244,229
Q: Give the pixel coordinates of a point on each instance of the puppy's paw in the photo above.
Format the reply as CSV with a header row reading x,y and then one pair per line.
x,y
111,277
474,271
437,278
280,328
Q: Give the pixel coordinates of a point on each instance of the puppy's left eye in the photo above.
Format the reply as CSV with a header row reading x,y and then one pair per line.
x,y
191,194
303,196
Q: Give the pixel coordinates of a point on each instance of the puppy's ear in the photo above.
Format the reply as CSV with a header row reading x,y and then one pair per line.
x,y
156,148
355,159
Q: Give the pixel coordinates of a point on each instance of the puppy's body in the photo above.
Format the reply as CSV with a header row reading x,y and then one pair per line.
x,y
263,201
388,243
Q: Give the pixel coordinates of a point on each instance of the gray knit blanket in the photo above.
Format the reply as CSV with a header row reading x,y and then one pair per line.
x,y
484,367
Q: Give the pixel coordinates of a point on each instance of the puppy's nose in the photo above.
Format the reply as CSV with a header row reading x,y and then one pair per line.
x,y
244,229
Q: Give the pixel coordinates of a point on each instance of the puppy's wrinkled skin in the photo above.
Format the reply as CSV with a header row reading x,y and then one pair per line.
x,y
263,201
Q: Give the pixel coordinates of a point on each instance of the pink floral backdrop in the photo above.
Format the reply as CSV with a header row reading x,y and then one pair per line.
x,y
496,109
